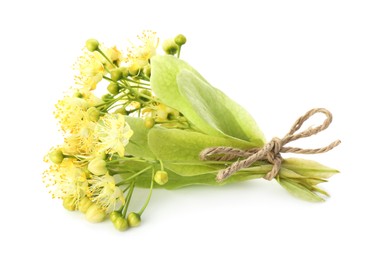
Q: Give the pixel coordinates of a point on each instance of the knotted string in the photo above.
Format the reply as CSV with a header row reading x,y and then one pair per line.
x,y
272,150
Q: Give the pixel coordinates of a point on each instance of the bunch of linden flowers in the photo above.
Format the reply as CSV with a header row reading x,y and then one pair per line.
x,y
156,116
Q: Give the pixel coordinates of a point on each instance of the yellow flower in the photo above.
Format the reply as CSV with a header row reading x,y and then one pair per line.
x,y
138,56
113,54
91,70
70,112
113,133
105,193
84,142
66,180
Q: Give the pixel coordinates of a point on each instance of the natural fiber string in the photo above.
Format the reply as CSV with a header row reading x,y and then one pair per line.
x,y
272,150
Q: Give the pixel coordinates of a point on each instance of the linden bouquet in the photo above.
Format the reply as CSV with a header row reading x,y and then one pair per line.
x,y
160,124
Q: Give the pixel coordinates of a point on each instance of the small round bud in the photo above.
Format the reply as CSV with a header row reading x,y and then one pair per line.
x,y
124,71
147,70
149,122
56,156
95,214
97,166
133,71
170,47
161,177
133,219
120,223
114,215
121,111
69,203
116,74
93,114
84,204
113,88
92,45
180,39
106,97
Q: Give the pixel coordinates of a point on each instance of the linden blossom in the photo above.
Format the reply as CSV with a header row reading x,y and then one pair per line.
x,y
157,117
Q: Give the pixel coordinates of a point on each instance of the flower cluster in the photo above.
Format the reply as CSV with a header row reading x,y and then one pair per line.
x,y
150,129
96,131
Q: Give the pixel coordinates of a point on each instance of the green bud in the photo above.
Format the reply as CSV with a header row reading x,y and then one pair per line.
x,y
180,39
95,214
93,114
133,219
116,74
56,156
107,97
78,94
147,70
170,47
120,223
149,122
161,177
114,215
69,203
133,71
121,111
97,166
113,88
84,204
92,45
124,71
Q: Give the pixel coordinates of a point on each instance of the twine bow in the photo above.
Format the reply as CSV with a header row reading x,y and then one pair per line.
x,y
272,150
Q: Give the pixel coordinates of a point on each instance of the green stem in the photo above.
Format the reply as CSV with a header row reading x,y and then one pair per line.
x,y
101,52
128,198
133,176
149,195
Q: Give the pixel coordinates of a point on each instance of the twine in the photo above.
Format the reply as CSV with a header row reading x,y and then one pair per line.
x,y
272,150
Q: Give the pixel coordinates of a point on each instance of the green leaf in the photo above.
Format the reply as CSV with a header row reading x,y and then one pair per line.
x,y
180,149
180,86
299,190
218,110
164,71
138,145
308,168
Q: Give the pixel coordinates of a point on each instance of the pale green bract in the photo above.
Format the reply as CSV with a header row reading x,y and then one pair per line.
x,y
180,86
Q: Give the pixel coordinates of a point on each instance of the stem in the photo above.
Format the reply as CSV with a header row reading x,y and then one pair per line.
x,y
133,176
149,195
128,198
178,53
101,52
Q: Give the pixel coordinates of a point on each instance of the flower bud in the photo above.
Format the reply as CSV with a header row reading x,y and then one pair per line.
x,y
121,111
97,166
106,97
124,71
133,219
56,156
92,45
116,74
93,114
147,70
84,204
69,203
149,122
170,47
120,223
161,177
113,88
180,39
95,213
114,215
133,71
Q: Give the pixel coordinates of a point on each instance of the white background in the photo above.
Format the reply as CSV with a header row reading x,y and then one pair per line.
x,y
277,58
